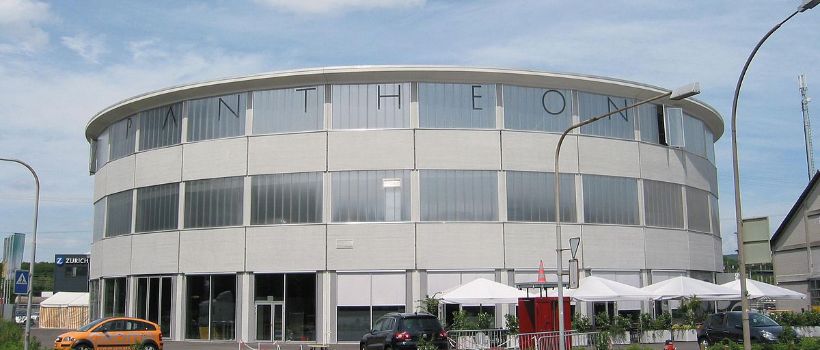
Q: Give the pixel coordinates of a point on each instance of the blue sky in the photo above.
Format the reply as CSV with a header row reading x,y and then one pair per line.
x,y
62,62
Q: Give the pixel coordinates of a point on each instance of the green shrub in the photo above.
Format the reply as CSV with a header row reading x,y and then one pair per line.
x,y
11,337
485,320
461,321
512,323
663,321
797,319
430,304
581,323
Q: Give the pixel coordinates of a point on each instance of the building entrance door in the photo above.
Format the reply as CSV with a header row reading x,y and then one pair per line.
x,y
269,321
154,301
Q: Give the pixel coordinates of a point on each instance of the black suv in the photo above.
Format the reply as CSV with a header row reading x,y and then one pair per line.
x,y
395,331
727,325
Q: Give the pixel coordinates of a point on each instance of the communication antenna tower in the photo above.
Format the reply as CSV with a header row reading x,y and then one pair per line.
x,y
804,89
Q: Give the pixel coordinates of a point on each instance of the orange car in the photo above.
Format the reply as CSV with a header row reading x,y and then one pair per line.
x,y
112,333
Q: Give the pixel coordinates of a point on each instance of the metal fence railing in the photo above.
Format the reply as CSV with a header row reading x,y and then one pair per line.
x,y
482,339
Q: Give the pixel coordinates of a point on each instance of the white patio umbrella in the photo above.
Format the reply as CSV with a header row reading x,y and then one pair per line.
x,y
594,288
684,287
483,291
757,289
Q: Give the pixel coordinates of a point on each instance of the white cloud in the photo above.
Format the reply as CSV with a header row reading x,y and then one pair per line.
x,y
19,26
146,49
90,48
335,6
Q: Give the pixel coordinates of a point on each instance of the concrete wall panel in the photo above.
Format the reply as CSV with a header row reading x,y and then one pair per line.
x,y
120,175
530,151
159,166
154,253
116,256
459,245
96,264
659,255
525,244
458,149
702,252
369,150
661,163
287,153
100,184
602,156
214,158
213,250
700,173
285,248
613,247
370,247
791,265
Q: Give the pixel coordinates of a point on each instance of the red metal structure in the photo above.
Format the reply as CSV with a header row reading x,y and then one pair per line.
x,y
540,315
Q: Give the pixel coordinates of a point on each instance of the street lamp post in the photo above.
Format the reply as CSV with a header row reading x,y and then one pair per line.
x,y
33,247
677,94
744,298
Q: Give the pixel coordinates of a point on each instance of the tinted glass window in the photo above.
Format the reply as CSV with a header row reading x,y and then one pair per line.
x,y
216,117
370,196
91,325
380,325
371,106
160,126
214,202
456,105
531,196
619,125
459,195
733,319
537,109
758,320
421,324
288,110
610,200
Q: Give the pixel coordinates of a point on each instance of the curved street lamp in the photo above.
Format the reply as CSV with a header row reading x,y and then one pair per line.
x,y
33,247
744,298
680,93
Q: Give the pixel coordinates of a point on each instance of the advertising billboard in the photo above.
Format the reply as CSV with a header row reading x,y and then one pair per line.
x,y
13,254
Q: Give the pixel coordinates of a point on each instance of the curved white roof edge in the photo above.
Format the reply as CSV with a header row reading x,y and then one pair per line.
x,y
391,73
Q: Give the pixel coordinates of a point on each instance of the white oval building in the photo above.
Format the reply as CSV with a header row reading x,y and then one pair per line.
x,y
302,205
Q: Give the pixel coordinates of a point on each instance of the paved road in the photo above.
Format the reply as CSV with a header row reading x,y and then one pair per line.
x,y
46,337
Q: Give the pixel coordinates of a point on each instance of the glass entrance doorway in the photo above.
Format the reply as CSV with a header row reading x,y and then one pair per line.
x,y
269,325
154,301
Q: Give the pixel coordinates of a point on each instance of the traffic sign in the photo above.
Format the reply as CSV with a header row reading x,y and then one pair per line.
x,y
21,282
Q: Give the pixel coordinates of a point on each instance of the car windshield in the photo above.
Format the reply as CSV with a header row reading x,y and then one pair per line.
x,y
415,324
758,320
91,325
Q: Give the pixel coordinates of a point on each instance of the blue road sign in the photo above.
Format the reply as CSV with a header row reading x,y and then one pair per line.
x,y
21,282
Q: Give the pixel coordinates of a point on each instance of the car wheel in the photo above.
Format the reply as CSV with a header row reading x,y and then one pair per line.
x,y
82,347
150,346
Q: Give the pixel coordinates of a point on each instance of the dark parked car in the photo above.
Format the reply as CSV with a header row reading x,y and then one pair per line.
x,y
727,325
396,331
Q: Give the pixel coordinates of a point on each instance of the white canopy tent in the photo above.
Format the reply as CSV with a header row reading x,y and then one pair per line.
x,y
483,291
594,288
64,310
684,287
63,299
757,289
